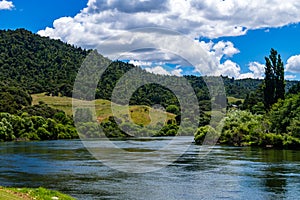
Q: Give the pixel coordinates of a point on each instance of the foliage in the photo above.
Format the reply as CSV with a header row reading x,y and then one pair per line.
x,y
38,64
254,101
169,129
242,128
21,121
46,111
51,66
88,130
295,89
202,132
12,99
173,109
285,114
111,128
26,127
39,193
274,84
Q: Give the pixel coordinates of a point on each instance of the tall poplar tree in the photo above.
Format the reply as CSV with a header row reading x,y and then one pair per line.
x,y
274,85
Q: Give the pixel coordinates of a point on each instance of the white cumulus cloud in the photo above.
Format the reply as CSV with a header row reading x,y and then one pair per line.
x,y
194,17
218,51
226,49
177,72
228,68
162,71
157,70
257,71
102,19
293,64
140,63
6,5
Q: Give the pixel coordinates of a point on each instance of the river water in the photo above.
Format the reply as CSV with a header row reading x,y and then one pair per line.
x,y
224,173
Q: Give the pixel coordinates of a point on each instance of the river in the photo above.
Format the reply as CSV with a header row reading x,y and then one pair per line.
x,y
224,173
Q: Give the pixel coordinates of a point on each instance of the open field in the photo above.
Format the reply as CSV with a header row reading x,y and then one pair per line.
x,y
233,99
141,115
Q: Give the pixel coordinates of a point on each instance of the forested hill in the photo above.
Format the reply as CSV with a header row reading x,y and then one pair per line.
x,y
40,64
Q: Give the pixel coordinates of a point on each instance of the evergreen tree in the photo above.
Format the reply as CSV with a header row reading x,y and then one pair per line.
x,y
280,84
274,85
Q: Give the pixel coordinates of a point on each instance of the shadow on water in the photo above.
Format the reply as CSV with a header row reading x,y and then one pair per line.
x,y
275,168
278,169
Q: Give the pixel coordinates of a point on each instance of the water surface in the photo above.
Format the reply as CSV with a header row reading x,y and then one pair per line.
x,y
225,173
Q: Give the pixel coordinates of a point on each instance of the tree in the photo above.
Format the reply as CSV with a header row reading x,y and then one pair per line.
x,y
202,132
7,103
279,81
173,109
6,130
295,89
274,85
254,101
283,113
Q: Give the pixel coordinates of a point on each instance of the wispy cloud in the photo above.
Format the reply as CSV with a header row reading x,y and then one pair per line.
x,y
290,77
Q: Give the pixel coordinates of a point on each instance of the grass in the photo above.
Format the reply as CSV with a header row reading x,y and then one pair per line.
x,y
62,103
141,115
233,100
30,194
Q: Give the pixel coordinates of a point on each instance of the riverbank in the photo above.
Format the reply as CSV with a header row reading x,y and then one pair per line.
x,y
31,193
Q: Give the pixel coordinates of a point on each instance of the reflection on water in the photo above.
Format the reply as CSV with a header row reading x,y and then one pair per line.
x,y
225,173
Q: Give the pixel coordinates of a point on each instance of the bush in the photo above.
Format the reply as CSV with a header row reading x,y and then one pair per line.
x,y
206,134
170,129
291,142
173,109
242,128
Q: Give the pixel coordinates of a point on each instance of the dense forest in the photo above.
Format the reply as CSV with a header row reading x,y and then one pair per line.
x,y
31,64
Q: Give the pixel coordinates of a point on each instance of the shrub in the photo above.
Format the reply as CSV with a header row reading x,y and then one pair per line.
x,y
206,134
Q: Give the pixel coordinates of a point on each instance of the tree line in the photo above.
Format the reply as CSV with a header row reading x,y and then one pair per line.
x,y
269,117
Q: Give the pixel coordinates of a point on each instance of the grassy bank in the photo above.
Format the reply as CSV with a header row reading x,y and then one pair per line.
x,y
30,194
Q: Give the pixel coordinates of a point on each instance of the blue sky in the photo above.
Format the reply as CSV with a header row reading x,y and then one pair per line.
x,y
36,15
256,44
238,34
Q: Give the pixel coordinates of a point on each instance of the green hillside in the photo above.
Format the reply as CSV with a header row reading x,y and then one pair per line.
x,y
139,114
39,64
